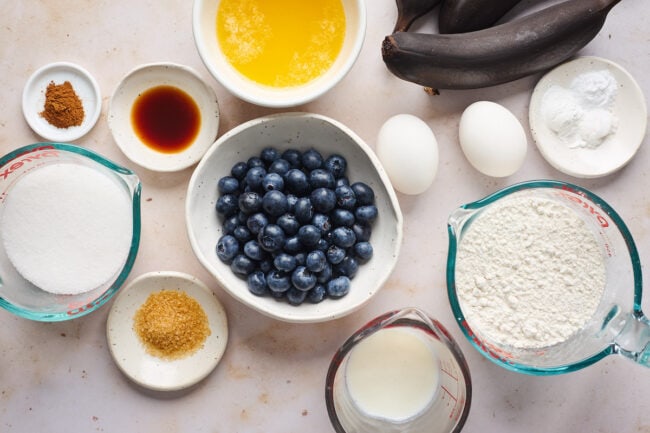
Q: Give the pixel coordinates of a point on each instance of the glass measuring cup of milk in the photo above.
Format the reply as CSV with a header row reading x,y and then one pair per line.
x,y
18,294
401,372
617,325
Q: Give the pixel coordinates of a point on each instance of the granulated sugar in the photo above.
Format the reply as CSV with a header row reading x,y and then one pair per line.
x,y
529,273
67,228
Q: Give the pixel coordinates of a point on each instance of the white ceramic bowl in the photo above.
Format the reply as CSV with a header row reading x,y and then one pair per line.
x,y
148,76
205,36
629,110
84,86
301,131
128,351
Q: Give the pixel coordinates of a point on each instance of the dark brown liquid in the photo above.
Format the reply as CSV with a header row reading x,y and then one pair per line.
x,y
166,119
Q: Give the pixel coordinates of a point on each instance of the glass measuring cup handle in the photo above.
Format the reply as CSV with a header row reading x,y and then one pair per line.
x,y
634,340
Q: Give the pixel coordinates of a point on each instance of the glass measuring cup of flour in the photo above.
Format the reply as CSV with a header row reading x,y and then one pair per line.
x,y
20,296
401,372
617,325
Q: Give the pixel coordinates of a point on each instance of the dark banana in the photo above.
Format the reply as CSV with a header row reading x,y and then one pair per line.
x,y
497,54
410,10
461,16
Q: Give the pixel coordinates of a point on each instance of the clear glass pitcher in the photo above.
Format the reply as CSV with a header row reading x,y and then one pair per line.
x,y
401,372
20,296
618,324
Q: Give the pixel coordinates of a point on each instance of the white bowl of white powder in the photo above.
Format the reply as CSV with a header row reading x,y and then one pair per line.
x,y
542,277
69,230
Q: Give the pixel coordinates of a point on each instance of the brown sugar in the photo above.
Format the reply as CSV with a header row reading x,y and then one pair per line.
x,y
63,108
171,324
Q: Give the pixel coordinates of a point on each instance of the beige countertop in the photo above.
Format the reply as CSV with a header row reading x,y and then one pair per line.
x,y
60,377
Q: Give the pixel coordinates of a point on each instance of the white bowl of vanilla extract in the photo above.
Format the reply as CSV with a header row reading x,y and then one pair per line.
x,y
163,116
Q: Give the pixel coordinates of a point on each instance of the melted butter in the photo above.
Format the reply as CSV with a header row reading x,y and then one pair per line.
x,y
281,43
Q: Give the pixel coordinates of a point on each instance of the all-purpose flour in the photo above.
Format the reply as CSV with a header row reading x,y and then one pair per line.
x,y
529,273
67,228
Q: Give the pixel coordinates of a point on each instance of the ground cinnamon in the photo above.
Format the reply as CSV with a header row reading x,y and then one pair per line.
x,y
63,108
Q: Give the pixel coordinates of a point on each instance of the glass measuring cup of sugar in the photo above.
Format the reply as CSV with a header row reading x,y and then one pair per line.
x,y
33,175
615,323
401,372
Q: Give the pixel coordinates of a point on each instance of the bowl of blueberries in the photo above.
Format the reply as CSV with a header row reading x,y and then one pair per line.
x,y
295,217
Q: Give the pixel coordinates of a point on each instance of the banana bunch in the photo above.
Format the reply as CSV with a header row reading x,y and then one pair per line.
x,y
470,53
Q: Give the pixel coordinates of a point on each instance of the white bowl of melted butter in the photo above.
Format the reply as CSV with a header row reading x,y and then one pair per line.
x,y
279,53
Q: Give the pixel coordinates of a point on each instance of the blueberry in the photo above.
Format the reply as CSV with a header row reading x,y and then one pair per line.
x,y
317,294
288,223
272,181
293,157
228,185
292,199
320,178
269,154
343,237
227,205
279,166
266,265
242,265
242,234
227,248
239,170
254,178
312,159
366,214
275,203
363,250
348,267
257,283
301,257
295,296
316,261
323,244
304,210
335,254
296,182
336,164
271,238
255,161
256,222
323,199
242,217
365,195
302,278
308,235
345,197
250,202
342,181
325,275
284,262
230,224
322,223
254,251
278,281
292,245
342,217
362,232
338,287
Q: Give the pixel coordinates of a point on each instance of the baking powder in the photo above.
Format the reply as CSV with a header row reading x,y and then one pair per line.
x,y
67,228
529,273
581,115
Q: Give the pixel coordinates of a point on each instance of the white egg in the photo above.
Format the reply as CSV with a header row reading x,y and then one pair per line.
x,y
492,139
408,150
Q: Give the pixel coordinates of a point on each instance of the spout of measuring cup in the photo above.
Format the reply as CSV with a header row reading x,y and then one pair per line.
x,y
458,218
634,340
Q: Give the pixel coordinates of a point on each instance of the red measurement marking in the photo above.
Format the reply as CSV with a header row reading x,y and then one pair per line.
x,y
449,373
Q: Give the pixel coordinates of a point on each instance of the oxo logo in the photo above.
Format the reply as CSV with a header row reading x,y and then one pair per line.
x,y
27,157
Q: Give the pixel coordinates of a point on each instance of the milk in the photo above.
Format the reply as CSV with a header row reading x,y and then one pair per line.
x,y
392,374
